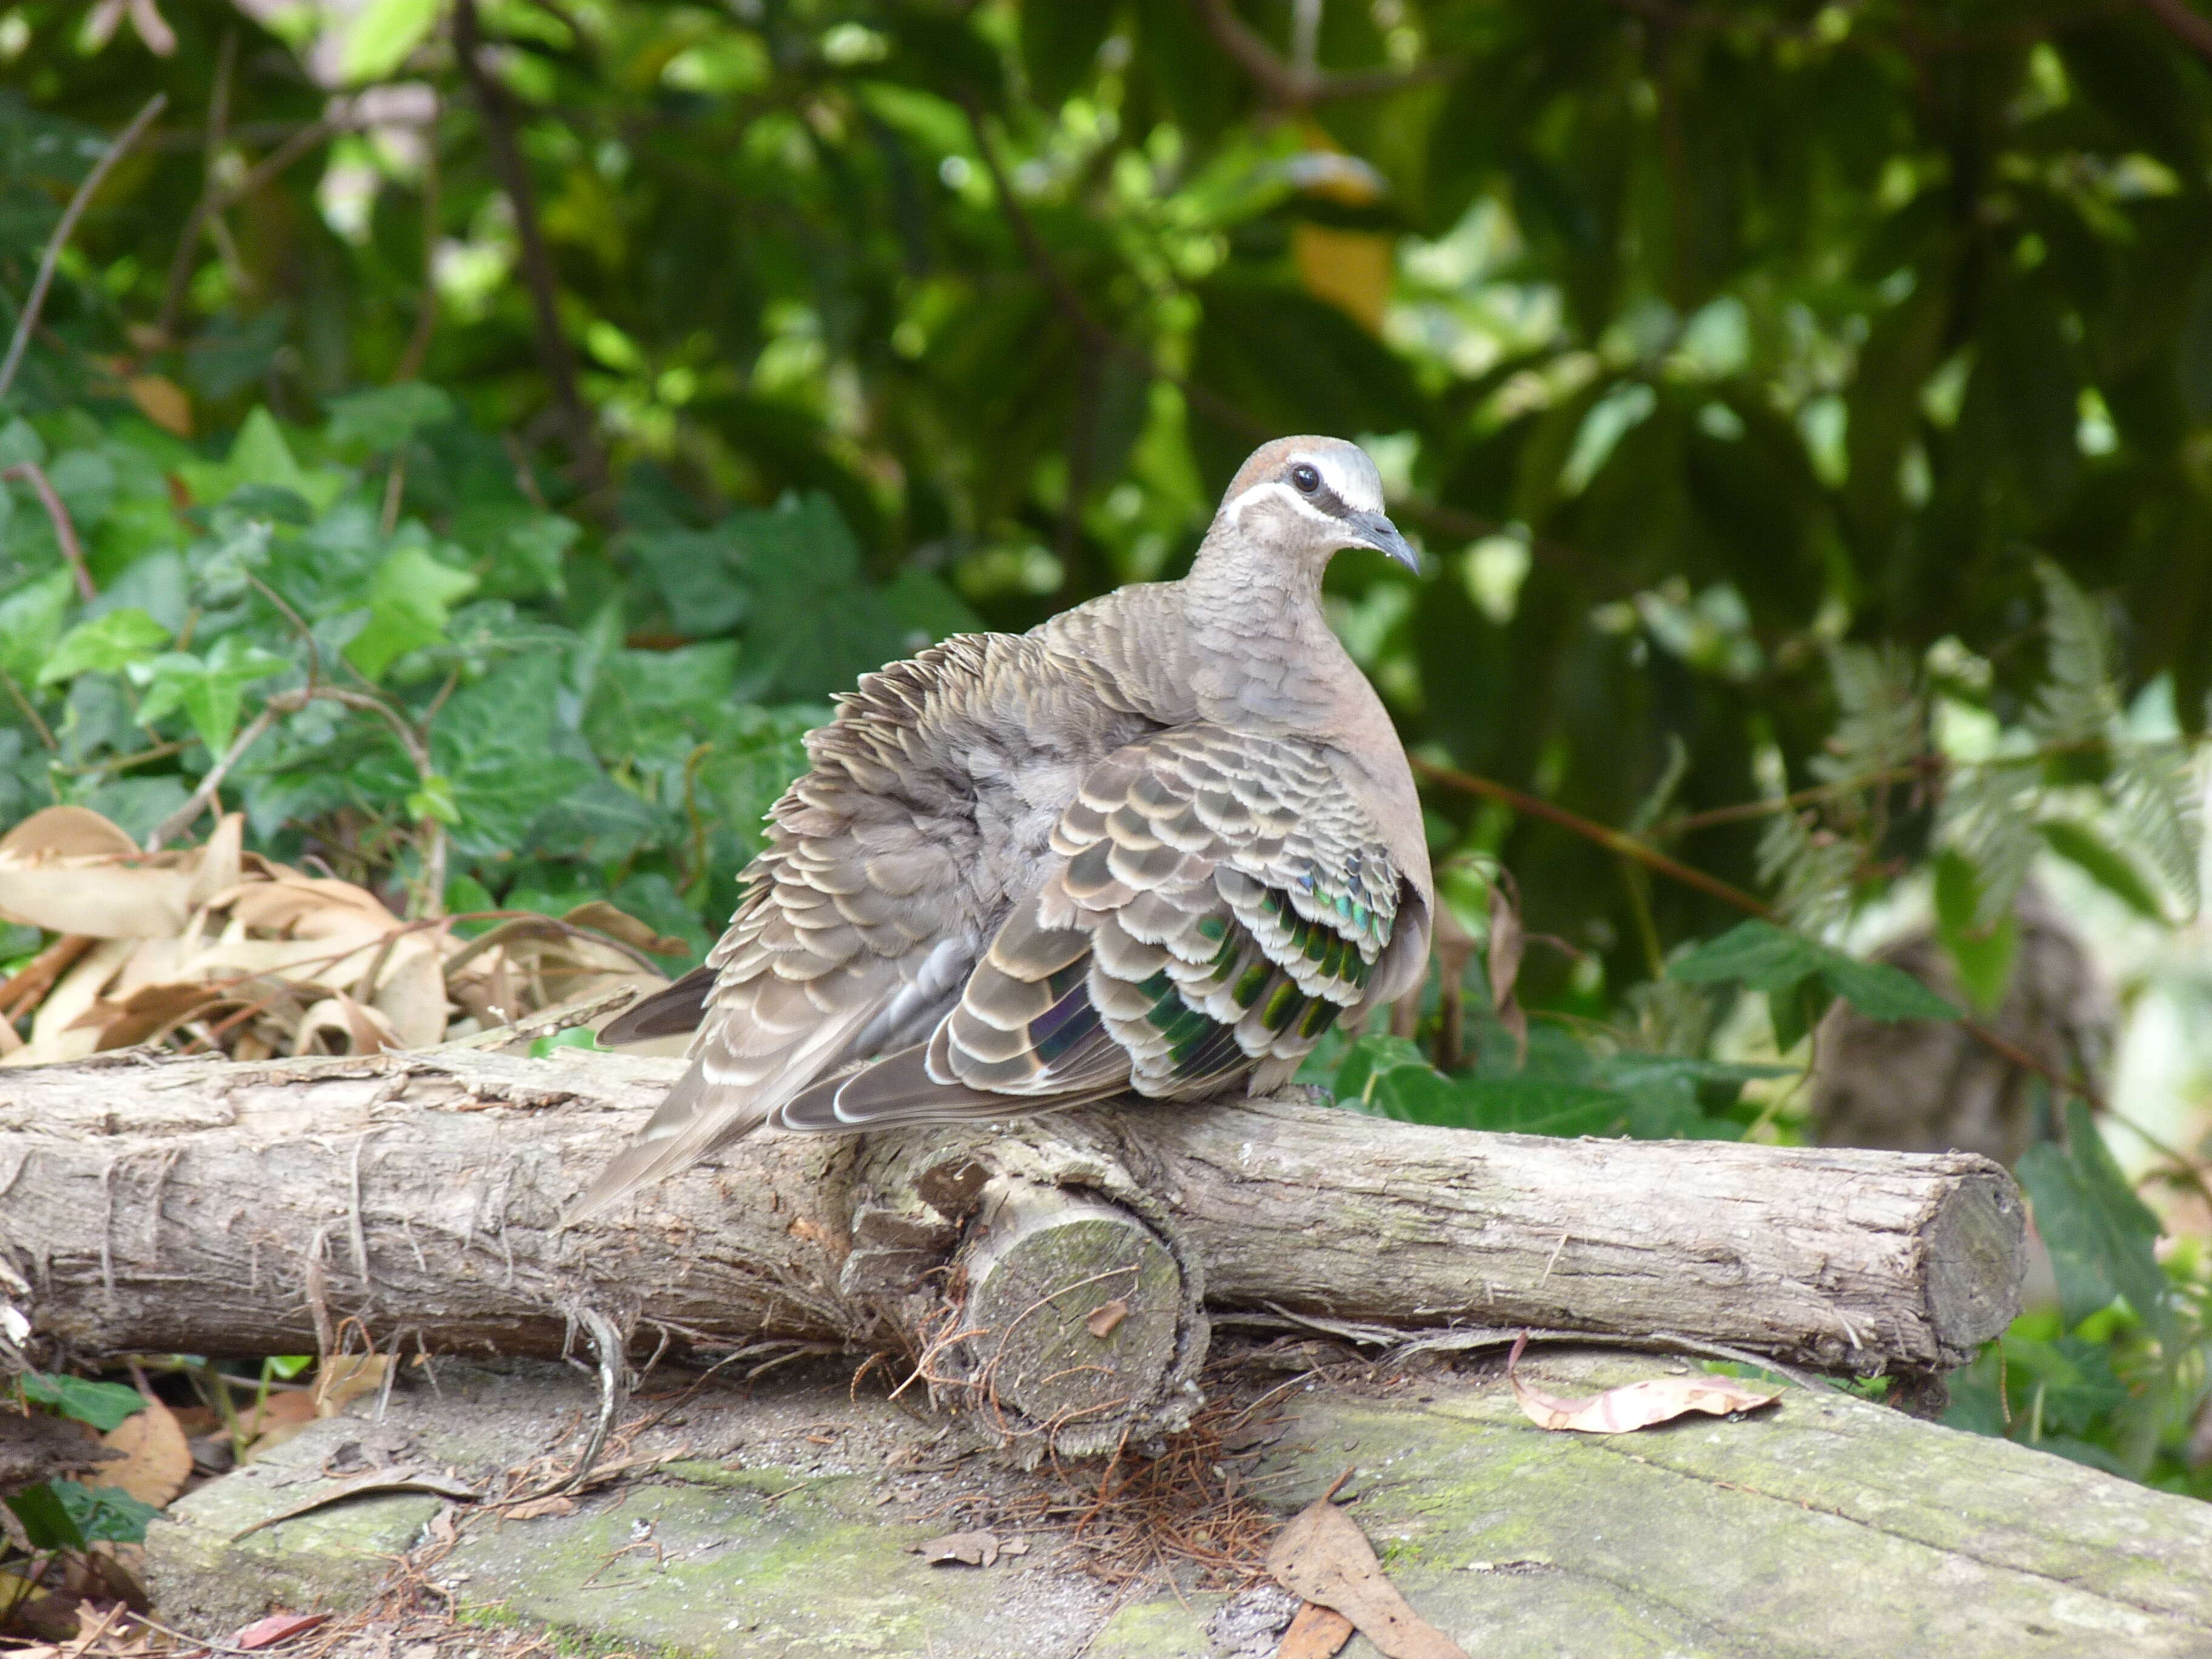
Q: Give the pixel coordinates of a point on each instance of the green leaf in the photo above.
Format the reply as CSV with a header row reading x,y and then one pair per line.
x,y
410,599
382,34
434,799
692,569
382,418
259,456
104,1405
576,1036
1782,964
2081,847
2100,1234
497,746
107,644
208,689
47,1522
105,1515
813,625
30,620
1982,955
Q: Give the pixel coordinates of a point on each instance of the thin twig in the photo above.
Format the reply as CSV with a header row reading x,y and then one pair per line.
x,y
498,112
1613,840
1299,85
29,712
52,257
32,473
426,317
212,203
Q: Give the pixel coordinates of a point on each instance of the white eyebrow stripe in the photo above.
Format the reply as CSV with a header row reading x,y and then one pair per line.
x,y
1353,485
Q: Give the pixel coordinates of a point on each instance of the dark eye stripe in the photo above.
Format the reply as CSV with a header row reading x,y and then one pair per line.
x,y
1329,502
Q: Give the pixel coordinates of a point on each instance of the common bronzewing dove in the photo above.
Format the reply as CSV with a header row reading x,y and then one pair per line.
x,y
1159,844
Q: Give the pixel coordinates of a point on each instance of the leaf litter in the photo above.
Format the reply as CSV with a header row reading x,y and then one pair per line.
x,y
1633,1405
218,949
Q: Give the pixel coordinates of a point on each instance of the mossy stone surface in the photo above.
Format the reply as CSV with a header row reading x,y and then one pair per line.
x,y
1822,1528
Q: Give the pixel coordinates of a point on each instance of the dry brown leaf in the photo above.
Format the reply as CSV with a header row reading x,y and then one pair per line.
x,y
344,1378
162,401
51,1039
1324,1557
145,1010
357,1030
1317,1633
1635,1404
532,1508
65,832
156,1460
1106,1317
412,993
278,1419
974,1549
602,917
276,1627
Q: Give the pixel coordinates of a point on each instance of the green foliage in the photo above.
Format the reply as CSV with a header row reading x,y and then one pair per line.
x,y
105,1405
1561,1087
1800,976
2099,1232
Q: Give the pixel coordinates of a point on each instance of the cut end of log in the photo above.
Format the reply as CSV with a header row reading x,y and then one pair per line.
x,y
1073,1308
1975,1262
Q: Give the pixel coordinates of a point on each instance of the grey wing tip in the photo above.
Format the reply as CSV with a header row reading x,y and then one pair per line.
x,y
670,1011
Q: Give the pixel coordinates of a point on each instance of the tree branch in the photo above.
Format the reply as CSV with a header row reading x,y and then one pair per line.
x,y
1611,840
71,215
2184,23
65,532
1301,86
537,273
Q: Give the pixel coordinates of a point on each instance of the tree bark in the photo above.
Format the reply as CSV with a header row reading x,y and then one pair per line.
x,y
1055,1270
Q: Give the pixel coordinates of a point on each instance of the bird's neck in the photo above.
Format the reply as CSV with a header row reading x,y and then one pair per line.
x,y
1265,657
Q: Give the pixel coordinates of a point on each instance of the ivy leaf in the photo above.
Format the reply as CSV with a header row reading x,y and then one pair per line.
x,y
496,745
208,689
813,626
2100,1234
260,456
30,620
104,1515
692,569
410,599
103,1405
107,644
382,418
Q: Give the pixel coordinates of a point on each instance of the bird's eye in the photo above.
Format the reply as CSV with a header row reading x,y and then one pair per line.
x,y
1306,478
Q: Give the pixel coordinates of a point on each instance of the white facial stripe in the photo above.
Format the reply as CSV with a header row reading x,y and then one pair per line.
x,y
1350,476
1234,510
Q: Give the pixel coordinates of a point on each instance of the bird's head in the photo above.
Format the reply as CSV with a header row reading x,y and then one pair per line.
x,y
1308,497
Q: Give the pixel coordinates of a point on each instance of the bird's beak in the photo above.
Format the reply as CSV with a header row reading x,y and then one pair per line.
x,y
1378,533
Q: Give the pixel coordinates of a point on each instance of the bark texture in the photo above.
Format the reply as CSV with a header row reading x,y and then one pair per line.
x,y
212,1207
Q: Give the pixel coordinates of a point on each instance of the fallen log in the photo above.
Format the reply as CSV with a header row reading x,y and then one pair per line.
x,y
1057,1271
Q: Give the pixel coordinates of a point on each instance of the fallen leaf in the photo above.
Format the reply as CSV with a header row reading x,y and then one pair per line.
x,y
533,1509
162,401
157,1460
276,1627
602,917
1317,1633
1324,1557
1105,1317
1634,1405
429,1480
344,1378
975,1549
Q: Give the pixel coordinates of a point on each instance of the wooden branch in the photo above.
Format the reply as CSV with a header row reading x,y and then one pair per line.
x,y
1055,1271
